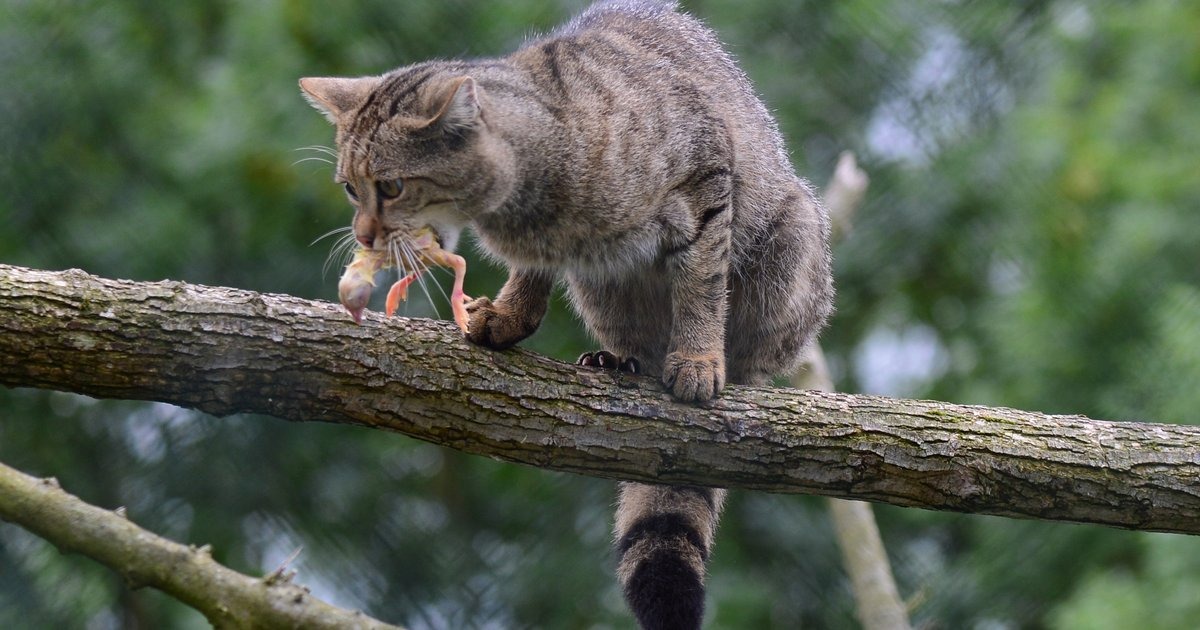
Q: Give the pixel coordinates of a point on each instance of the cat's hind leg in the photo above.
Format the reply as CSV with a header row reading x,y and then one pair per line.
x,y
606,360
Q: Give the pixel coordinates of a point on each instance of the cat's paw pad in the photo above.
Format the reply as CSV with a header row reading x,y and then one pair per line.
x,y
606,360
494,325
694,377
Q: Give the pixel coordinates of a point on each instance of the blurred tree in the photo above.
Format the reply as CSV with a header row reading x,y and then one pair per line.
x,y
1055,269
1030,240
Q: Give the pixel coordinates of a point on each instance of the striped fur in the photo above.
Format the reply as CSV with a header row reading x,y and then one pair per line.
x,y
664,536
628,155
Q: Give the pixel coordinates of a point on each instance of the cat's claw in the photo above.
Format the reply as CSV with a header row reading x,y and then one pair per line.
x,y
606,360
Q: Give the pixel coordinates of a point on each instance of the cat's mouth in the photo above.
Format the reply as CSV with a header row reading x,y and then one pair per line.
x,y
404,243
412,254
425,238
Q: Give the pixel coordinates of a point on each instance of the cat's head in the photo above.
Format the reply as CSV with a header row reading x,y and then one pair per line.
x,y
414,150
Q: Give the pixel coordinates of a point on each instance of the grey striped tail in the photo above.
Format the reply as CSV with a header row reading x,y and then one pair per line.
x,y
663,537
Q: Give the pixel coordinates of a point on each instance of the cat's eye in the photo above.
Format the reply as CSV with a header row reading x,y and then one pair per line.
x,y
390,188
350,191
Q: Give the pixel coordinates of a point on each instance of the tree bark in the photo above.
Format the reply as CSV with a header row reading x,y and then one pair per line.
x,y
227,351
227,598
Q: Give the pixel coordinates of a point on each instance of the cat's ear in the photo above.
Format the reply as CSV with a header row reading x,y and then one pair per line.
x,y
461,109
335,97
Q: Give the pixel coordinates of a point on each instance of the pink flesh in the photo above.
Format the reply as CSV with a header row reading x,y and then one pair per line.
x,y
359,278
398,293
458,300
354,288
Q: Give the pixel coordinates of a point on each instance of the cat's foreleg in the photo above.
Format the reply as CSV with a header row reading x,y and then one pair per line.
x,y
516,312
694,368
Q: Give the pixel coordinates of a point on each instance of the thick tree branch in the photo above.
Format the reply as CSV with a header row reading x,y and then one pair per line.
x,y
227,598
225,351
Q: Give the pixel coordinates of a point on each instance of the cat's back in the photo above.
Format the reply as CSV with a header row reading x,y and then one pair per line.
x,y
604,10
647,46
650,19
637,79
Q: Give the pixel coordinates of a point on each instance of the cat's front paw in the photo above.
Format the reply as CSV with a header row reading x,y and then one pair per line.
x,y
694,377
495,326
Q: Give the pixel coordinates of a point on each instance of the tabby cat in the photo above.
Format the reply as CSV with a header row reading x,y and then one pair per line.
x,y
626,154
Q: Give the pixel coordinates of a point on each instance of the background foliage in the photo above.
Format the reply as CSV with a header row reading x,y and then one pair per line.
x,y
1031,239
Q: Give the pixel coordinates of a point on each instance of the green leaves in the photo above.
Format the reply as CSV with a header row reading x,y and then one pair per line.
x,y
1032,213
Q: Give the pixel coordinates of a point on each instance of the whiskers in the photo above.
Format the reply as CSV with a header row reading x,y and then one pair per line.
x,y
327,155
342,250
401,255
409,261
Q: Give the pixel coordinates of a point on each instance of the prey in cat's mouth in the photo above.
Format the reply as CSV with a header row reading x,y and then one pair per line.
x,y
411,256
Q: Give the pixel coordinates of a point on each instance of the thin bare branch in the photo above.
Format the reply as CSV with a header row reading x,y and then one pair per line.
x,y
227,598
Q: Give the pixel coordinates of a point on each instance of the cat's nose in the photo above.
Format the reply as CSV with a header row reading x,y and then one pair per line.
x,y
366,241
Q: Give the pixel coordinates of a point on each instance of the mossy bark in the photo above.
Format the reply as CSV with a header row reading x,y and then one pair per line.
x,y
227,351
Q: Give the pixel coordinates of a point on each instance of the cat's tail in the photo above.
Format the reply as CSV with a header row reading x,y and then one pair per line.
x,y
663,537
